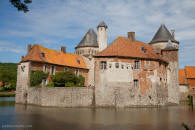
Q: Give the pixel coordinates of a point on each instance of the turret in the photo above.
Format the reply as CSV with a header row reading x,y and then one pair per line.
x,y
88,46
161,38
164,42
102,37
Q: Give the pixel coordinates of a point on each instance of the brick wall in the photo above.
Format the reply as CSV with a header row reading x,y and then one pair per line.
x,y
172,75
151,90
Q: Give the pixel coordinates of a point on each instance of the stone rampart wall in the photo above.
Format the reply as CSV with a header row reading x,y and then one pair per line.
x,y
60,97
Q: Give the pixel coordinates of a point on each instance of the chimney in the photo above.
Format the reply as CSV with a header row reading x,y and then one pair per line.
x,y
29,47
173,33
22,57
131,36
63,49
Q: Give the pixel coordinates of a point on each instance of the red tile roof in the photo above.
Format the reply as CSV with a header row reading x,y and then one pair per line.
x,y
182,77
191,82
54,57
124,47
190,71
1,83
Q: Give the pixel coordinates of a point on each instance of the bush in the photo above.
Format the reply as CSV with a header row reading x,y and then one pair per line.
x,y
69,84
81,81
36,77
67,79
50,84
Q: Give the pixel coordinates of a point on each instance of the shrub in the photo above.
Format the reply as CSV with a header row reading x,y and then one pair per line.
x,y
36,77
81,81
69,84
50,84
67,79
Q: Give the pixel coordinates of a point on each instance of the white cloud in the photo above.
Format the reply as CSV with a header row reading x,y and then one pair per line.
x,y
11,47
52,21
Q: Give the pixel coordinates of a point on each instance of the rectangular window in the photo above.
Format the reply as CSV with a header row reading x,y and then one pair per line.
x,y
52,70
136,64
135,83
110,65
65,68
117,65
77,72
103,65
44,68
122,66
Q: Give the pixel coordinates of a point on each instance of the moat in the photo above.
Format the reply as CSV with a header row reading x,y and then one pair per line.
x,y
15,116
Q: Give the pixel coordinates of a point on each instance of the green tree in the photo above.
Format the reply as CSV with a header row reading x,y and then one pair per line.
x,y
67,79
37,76
8,75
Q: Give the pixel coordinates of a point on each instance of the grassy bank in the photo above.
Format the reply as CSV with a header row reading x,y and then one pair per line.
x,y
7,94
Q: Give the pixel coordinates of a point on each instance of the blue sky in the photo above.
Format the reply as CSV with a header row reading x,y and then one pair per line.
x,y
53,23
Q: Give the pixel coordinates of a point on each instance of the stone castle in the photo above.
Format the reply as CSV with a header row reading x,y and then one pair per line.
x,y
126,73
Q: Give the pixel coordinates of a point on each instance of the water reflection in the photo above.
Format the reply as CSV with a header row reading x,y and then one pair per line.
x,y
100,118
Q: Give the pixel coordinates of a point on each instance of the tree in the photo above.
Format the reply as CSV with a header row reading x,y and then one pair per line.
x,y
36,77
67,79
21,6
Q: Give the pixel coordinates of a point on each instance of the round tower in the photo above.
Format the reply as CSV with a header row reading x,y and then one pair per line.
x,y
164,43
88,46
161,38
102,36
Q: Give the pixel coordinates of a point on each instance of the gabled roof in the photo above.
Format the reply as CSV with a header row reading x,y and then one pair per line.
x,y
182,77
162,35
123,47
190,71
54,57
102,24
89,40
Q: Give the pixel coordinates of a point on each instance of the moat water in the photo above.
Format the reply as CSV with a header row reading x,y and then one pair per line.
x,y
16,117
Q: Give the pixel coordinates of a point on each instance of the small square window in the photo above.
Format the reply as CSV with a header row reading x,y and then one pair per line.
x,y
135,83
65,68
110,65
122,66
117,65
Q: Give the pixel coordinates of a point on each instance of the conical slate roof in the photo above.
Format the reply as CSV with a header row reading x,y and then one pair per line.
x,y
162,35
89,40
102,24
169,46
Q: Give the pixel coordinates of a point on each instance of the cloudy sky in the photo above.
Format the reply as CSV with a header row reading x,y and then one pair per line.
x,y
53,23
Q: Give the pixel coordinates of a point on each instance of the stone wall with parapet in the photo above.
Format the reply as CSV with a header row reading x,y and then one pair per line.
x,y
60,97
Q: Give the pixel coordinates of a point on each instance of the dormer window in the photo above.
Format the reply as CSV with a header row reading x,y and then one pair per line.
x,y
78,61
42,54
143,49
